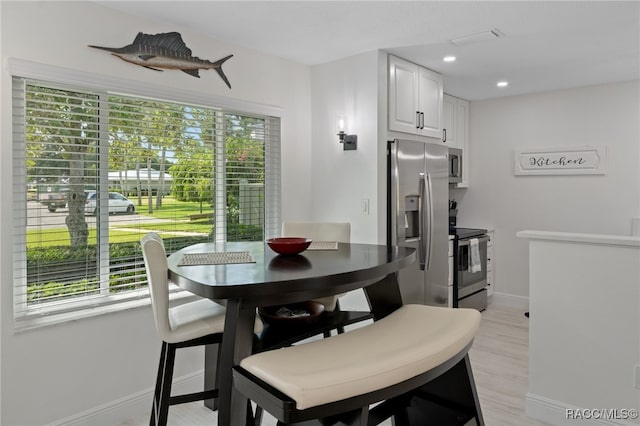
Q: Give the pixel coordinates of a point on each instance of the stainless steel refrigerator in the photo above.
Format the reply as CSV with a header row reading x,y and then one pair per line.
x,y
418,210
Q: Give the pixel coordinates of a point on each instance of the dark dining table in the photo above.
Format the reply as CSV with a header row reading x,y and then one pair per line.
x,y
269,279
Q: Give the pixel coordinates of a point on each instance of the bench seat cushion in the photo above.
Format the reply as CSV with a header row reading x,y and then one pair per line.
x,y
410,341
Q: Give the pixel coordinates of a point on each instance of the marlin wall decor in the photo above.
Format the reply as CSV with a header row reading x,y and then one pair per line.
x,y
165,50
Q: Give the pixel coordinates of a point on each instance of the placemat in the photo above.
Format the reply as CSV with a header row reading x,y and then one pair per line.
x,y
223,258
323,245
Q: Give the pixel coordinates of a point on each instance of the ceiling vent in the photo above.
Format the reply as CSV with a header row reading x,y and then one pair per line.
x,y
478,37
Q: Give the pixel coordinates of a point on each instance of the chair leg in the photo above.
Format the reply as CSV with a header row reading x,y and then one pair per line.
x,y
158,389
212,381
160,409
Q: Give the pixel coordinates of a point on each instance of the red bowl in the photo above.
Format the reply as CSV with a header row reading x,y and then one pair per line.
x,y
288,245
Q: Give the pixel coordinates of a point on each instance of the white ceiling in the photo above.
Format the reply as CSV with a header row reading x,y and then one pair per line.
x,y
548,45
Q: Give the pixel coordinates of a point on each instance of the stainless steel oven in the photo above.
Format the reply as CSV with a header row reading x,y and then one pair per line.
x,y
470,282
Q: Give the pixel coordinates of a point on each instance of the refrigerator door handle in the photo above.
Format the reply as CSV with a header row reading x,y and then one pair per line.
x,y
428,210
421,224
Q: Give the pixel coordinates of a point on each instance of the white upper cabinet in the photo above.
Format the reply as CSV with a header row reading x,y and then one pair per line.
x,y
455,121
449,116
430,101
455,131
415,99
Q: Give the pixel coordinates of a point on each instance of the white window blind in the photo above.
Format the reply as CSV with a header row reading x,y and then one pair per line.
x,y
95,171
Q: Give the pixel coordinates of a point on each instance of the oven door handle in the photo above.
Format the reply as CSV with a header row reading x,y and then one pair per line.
x,y
466,241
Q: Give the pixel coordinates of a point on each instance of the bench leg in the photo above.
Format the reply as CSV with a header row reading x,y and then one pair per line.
x,y
473,393
448,399
359,417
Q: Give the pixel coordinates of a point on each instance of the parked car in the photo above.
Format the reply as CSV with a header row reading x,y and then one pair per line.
x,y
55,198
118,203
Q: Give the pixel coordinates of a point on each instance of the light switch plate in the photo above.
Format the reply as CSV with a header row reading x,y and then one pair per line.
x,y
364,206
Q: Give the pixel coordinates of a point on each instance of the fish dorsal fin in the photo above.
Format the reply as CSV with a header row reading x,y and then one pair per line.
x,y
170,41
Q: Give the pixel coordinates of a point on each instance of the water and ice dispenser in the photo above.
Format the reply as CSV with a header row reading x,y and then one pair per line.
x,y
412,220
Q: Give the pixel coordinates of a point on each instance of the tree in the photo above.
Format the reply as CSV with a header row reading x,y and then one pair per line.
x,y
193,172
62,129
193,177
244,146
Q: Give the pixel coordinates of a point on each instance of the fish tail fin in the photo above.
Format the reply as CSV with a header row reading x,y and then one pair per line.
x,y
217,65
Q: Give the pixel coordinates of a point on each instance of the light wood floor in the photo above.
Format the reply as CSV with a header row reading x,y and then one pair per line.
x,y
499,358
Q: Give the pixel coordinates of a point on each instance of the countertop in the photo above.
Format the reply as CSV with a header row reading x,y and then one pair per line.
x,y
619,240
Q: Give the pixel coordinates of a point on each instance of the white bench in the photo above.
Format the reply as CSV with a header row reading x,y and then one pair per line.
x,y
389,360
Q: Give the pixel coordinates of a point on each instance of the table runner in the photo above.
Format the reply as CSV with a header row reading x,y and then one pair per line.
x,y
223,258
323,245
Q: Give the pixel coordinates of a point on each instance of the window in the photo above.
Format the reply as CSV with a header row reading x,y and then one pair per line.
x,y
95,171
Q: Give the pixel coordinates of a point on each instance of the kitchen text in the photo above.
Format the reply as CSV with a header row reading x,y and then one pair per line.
x,y
562,161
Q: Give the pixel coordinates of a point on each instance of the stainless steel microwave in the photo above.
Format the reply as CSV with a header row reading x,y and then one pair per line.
x,y
455,165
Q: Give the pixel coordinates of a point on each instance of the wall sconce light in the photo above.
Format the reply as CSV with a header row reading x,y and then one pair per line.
x,y
349,142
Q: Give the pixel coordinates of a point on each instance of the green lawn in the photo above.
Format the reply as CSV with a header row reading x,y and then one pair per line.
x,y
175,212
171,208
60,236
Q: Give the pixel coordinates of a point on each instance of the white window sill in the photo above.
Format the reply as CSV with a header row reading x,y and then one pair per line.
x,y
36,322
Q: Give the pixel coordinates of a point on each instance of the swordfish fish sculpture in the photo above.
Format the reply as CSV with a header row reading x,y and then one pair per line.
x,y
165,50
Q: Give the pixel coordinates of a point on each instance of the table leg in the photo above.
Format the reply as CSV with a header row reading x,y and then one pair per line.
x,y
237,344
384,296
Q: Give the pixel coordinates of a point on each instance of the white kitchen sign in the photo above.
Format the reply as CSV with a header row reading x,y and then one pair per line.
x,y
575,160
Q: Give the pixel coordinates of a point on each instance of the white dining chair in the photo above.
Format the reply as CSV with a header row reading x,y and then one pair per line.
x,y
327,232
191,324
320,231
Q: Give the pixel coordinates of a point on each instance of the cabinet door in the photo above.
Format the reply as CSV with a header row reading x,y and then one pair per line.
x,y
430,103
462,122
490,265
403,95
462,138
449,121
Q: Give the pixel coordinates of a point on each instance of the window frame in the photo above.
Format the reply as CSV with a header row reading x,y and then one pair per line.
x,y
105,86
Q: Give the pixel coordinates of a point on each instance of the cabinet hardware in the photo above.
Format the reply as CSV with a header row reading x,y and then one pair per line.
x,y
417,119
444,135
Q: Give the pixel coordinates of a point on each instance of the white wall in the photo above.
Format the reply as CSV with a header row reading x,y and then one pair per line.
x,y
343,179
600,115
74,368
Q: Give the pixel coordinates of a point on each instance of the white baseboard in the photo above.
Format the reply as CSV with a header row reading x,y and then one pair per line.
x,y
131,406
511,300
555,413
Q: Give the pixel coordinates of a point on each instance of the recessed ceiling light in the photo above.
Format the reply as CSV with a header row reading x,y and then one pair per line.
x,y
502,84
449,58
